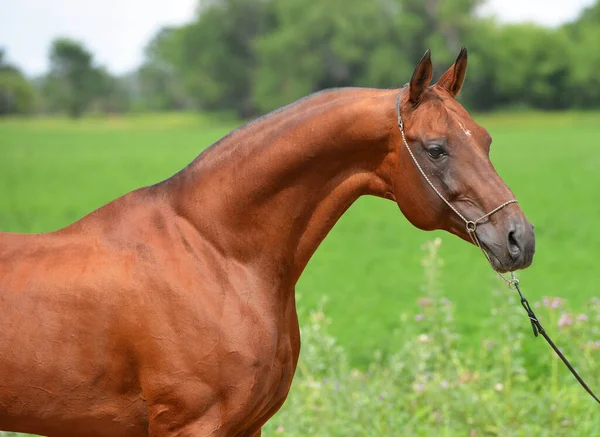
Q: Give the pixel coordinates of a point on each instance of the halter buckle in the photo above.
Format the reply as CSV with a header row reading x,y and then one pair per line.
x,y
471,227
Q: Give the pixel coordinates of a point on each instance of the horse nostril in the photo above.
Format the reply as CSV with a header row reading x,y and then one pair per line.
x,y
514,248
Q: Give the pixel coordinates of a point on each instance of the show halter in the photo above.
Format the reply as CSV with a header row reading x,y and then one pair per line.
x,y
513,282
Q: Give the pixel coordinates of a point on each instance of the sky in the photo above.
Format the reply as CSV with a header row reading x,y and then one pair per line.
x,y
116,31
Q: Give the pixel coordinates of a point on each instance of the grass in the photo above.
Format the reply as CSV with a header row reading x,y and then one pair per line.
x,y
54,171
430,386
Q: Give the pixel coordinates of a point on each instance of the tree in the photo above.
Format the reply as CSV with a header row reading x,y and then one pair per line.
x,y
110,94
216,59
17,95
583,58
71,83
251,56
517,65
371,43
158,82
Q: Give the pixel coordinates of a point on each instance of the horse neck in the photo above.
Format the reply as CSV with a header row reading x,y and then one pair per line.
x,y
269,193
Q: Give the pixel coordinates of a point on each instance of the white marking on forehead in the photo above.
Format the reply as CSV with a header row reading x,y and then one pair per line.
x,y
465,130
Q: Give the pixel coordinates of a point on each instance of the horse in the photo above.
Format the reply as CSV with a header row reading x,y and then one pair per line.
x,y
170,311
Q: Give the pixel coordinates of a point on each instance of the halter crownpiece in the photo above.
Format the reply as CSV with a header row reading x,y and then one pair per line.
x,y
513,282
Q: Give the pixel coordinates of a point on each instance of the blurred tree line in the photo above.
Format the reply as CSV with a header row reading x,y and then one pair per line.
x,y
251,56
16,93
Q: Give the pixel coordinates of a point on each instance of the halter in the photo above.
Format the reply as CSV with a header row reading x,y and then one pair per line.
x,y
470,225
513,282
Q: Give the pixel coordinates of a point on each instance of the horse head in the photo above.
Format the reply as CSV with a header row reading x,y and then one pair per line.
x,y
443,176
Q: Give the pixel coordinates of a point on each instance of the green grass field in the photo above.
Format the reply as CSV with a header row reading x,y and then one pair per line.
x,y
54,171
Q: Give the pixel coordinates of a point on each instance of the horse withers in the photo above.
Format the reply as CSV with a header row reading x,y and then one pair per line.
x,y
171,312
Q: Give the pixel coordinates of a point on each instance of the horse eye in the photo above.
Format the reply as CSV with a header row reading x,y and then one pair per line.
x,y
436,152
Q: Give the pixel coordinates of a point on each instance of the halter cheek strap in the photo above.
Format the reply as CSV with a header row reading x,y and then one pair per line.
x,y
470,225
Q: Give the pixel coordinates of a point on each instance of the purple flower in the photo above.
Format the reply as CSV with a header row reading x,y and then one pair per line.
x,y
552,302
489,344
425,302
418,387
446,302
582,318
566,319
419,317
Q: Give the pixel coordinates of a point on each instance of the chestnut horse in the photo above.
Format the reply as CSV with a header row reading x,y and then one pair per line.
x,y
170,311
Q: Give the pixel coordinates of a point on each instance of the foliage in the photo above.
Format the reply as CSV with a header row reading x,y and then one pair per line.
x,y
251,56
71,81
75,85
584,79
254,56
17,95
430,387
158,86
214,57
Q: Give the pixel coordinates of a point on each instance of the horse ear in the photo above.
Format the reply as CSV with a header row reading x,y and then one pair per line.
x,y
421,78
454,77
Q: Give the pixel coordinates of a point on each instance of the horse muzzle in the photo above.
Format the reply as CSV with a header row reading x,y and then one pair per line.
x,y
512,249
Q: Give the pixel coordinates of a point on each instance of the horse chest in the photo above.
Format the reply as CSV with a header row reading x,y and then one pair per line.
x,y
264,362
238,365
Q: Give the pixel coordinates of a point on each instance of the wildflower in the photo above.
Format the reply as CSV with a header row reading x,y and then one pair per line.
x,y
444,384
552,302
418,387
424,338
425,302
582,318
566,319
419,317
593,345
446,302
499,387
489,344
280,430
473,433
